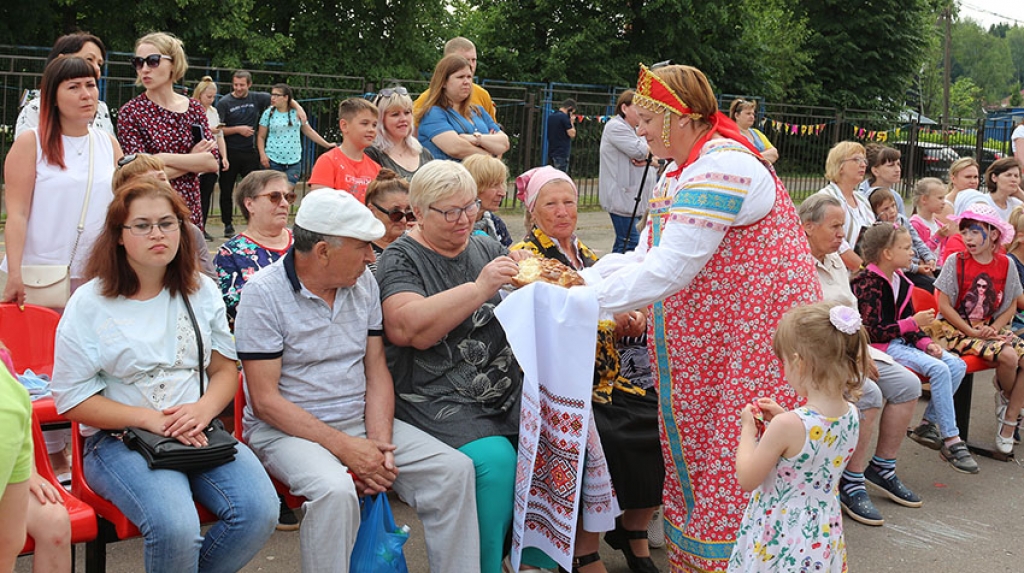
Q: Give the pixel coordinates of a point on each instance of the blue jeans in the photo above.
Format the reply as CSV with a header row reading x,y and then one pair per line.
x,y
160,504
293,171
945,377
624,230
559,163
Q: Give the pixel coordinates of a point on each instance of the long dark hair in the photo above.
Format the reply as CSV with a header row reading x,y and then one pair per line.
x,y
57,72
109,261
73,43
287,91
445,69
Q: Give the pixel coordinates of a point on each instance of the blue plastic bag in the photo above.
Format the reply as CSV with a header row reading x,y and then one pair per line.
x,y
378,547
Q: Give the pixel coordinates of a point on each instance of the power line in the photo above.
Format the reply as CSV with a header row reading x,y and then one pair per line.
x,y
991,13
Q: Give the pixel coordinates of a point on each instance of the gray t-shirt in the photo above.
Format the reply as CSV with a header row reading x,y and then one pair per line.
x,y
949,283
468,385
321,349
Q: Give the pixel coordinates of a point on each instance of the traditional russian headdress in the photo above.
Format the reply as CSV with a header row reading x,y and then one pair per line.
x,y
655,96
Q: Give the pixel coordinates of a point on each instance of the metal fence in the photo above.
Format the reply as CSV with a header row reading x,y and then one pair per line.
x,y
803,134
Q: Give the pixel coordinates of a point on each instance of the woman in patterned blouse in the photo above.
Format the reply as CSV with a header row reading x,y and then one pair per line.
x,y
265,198
161,122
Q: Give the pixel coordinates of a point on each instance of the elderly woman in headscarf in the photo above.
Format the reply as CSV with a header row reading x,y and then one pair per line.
x,y
626,414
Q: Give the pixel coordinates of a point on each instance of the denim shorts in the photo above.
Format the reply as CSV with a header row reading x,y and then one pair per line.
x,y
293,171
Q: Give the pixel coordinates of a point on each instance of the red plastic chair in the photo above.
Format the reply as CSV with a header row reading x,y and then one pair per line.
x,y
29,334
83,518
293,501
113,525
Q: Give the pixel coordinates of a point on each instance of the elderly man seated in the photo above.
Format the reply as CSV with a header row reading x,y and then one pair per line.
x,y
321,400
890,392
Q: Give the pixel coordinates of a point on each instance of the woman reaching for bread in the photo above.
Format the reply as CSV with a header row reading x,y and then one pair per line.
x,y
455,375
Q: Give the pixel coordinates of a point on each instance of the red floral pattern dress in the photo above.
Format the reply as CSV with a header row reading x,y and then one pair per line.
x,y
711,353
145,127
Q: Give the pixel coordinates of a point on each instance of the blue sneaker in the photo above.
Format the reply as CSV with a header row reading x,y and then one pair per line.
x,y
892,487
859,507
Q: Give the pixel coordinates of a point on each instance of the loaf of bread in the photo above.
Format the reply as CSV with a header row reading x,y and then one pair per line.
x,y
546,270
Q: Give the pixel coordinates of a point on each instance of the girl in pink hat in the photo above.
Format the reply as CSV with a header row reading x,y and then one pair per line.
x,y
977,291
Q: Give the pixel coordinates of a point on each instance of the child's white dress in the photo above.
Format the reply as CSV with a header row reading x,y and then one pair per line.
x,y
793,522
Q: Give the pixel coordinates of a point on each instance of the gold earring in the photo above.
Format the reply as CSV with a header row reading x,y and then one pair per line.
x,y
666,130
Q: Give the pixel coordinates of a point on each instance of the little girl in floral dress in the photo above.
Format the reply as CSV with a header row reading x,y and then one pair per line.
x,y
793,521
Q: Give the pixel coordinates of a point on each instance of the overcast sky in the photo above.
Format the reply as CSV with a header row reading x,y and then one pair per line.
x,y
989,12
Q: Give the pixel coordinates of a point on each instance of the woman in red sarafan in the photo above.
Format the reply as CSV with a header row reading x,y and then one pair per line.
x,y
722,258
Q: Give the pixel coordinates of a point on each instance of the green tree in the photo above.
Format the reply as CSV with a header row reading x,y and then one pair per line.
x,y
965,99
1015,41
864,54
984,58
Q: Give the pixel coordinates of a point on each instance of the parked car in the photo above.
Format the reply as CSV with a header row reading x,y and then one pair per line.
x,y
988,155
930,159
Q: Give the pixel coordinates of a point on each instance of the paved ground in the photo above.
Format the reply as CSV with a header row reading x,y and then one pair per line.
x,y
968,523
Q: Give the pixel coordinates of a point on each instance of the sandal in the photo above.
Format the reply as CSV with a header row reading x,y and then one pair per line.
x,y
619,538
1004,445
582,561
64,479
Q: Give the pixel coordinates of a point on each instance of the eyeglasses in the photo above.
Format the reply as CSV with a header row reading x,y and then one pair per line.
x,y
861,160
126,159
144,229
276,196
388,92
272,94
453,215
396,214
152,60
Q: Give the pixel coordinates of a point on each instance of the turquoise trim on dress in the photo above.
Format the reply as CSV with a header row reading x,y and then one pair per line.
x,y
707,200
720,550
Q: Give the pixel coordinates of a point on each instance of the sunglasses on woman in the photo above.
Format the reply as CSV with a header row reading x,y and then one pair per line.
x,y
388,92
152,60
395,215
276,196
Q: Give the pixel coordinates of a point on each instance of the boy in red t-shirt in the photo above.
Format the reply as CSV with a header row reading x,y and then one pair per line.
x,y
346,168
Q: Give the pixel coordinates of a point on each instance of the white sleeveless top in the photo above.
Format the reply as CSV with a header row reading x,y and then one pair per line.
x,y
57,202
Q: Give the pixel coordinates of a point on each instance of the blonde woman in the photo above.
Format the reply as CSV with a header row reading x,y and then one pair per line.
x,y
490,175
206,94
845,167
396,148
162,122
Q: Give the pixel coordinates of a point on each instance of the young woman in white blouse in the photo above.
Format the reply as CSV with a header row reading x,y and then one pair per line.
x,y
47,171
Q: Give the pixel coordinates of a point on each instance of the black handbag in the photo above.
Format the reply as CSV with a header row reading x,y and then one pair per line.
x,y
167,453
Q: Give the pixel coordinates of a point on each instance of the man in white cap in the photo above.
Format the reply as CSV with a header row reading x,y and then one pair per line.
x,y
320,415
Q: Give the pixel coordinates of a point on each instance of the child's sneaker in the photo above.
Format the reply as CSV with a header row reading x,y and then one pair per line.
x,y
958,457
927,434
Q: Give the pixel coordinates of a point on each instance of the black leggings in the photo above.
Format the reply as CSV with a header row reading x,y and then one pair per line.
x,y
206,183
241,162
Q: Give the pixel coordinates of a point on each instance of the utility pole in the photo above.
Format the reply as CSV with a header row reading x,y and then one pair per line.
x,y
946,63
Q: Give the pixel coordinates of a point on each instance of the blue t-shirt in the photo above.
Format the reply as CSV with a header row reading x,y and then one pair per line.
x,y
559,142
438,120
284,142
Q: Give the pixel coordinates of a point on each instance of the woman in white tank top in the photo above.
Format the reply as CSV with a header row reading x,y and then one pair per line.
x,y
47,170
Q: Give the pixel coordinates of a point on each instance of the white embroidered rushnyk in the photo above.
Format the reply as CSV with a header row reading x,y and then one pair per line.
x,y
553,333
